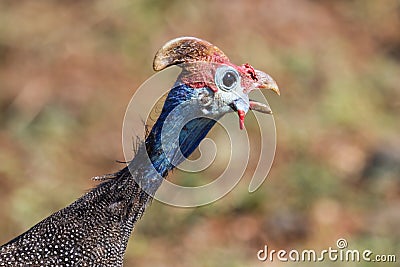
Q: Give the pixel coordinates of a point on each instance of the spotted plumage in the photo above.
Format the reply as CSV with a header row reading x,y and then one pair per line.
x,y
94,230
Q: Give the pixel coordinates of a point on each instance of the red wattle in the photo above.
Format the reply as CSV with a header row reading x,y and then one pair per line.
x,y
241,115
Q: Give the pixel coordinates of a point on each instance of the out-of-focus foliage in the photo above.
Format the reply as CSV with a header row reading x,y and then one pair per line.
x,y
69,68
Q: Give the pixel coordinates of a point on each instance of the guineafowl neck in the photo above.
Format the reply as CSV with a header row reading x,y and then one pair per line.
x,y
176,134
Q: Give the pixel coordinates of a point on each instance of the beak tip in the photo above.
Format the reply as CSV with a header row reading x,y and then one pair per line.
x,y
265,81
273,87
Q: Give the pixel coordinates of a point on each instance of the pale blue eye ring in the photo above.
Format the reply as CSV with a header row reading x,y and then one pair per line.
x,y
226,78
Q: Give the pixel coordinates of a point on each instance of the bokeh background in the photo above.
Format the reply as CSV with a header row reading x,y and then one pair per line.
x,y
69,68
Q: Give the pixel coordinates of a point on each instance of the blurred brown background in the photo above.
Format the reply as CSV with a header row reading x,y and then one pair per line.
x,y
69,68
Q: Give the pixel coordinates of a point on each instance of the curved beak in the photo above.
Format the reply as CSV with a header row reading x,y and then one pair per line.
x,y
264,81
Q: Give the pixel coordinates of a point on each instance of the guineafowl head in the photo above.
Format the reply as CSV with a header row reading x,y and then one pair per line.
x,y
208,87
218,85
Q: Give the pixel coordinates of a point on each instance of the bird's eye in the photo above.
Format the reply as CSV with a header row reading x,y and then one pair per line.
x,y
226,78
229,79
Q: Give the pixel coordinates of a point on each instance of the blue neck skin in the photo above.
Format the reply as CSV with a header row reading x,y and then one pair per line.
x,y
176,134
